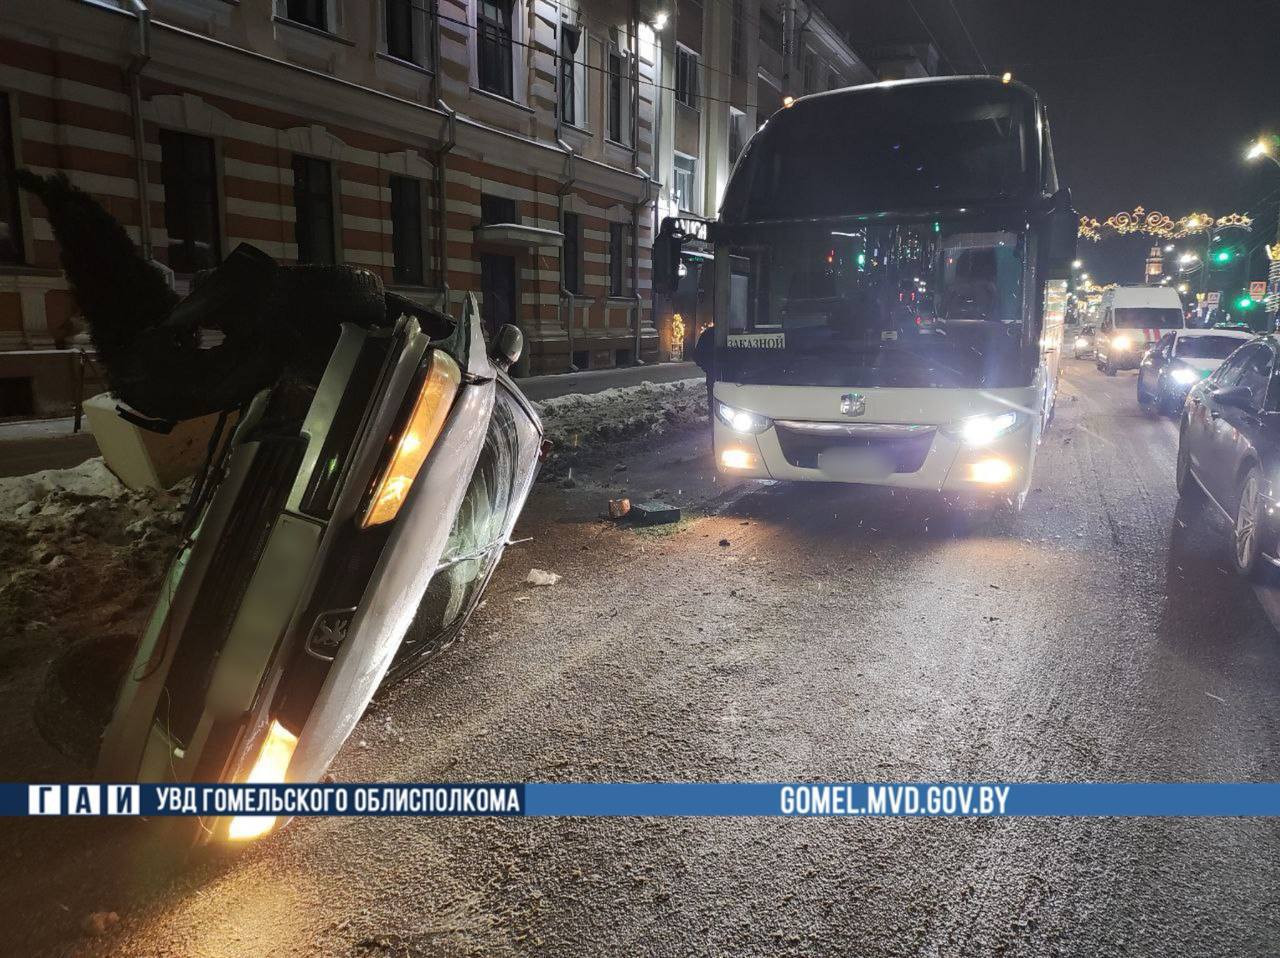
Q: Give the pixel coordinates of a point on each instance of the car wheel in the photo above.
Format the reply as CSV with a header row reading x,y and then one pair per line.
x,y
1109,369
1188,489
1246,536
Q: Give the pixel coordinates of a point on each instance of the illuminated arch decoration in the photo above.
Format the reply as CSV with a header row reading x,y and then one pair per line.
x,y
1157,224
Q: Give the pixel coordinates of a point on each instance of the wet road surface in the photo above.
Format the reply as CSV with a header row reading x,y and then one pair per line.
x,y
842,634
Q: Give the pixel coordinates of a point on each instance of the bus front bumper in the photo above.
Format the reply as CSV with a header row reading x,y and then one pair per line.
x,y
901,455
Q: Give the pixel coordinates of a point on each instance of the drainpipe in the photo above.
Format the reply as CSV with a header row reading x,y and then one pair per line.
x,y
566,184
635,260
442,221
133,72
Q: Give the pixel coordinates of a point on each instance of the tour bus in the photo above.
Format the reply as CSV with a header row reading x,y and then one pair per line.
x,y
1133,318
890,286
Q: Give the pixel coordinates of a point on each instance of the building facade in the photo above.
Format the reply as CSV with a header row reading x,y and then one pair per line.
x,y
523,150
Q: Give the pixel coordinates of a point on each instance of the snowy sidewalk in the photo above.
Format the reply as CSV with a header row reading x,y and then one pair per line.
x,y
588,381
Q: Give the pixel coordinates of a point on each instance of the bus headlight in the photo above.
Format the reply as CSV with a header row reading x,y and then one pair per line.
x,y
982,430
1121,343
273,761
740,420
420,433
1183,376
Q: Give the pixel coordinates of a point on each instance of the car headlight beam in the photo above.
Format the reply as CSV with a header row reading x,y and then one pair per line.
x,y
1183,376
982,430
740,420
1121,342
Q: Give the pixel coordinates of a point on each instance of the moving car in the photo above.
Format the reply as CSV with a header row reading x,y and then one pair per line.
x,y
1229,450
1133,318
343,537
1179,360
1083,344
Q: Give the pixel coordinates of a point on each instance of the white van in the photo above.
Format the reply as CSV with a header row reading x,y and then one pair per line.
x,y
1133,318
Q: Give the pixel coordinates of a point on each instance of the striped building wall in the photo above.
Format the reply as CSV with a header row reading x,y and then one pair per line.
x,y
69,99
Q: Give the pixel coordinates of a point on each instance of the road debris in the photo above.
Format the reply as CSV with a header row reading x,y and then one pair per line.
x,y
654,512
541,577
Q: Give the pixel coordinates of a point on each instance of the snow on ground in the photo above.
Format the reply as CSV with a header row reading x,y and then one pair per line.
x,y
624,412
81,556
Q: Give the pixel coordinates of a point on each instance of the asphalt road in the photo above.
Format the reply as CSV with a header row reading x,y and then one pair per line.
x,y
842,634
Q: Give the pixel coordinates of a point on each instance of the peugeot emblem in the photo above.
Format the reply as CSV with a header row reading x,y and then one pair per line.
x,y
853,404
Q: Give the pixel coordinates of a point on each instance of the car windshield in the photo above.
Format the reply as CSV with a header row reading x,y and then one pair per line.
x,y
1147,317
1207,347
912,304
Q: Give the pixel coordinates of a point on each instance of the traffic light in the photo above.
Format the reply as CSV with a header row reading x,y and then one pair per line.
x,y
1222,256
1245,302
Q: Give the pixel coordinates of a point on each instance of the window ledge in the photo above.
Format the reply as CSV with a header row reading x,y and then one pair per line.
x,y
314,31
499,98
621,300
406,64
696,111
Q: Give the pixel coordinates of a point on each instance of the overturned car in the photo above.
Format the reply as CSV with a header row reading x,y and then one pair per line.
x,y
343,529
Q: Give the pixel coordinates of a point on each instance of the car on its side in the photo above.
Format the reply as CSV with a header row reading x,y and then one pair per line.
x,y
1082,346
1229,450
1179,360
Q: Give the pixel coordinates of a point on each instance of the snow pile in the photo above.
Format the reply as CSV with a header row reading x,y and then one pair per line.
x,y
625,412
81,557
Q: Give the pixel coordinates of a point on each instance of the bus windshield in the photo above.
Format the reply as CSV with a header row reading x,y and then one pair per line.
x,y
908,304
898,148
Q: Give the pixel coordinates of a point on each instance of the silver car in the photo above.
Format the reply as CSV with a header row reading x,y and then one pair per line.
x,y
342,537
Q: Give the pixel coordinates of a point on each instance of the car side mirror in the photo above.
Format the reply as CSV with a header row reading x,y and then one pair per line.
x,y
1239,397
1062,235
508,345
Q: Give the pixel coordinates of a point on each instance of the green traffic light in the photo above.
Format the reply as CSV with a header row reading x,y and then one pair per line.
x,y
1244,302
1222,256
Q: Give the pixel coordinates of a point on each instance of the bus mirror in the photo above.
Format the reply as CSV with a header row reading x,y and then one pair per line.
x,y
1063,234
666,256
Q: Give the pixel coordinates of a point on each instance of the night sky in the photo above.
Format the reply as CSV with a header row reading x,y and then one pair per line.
x,y
1149,103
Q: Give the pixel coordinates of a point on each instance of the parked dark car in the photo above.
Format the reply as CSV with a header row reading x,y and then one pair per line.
x,y
1179,360
1082,345
1229,448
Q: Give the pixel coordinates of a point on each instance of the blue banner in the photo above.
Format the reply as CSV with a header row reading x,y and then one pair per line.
x,y
800,800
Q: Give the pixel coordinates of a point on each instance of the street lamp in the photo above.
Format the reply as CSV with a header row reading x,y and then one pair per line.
x,y
1263,146
1076,264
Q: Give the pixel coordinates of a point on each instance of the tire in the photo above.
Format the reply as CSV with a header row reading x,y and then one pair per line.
x,y
1246,531
1189,490
1109,369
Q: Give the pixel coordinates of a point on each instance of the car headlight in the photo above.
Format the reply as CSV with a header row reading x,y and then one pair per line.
x,y
1183,376
982,430
421,432
1081,342
740,420
1121,342
273,761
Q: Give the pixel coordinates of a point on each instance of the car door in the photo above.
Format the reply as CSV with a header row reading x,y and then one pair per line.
x,y
1204,416
1219,448
1238,426
1155,360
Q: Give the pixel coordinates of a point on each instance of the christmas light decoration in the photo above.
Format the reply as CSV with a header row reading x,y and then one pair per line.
x,y
1157,224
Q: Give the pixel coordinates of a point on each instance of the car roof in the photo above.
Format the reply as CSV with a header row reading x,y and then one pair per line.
x,y
1232,333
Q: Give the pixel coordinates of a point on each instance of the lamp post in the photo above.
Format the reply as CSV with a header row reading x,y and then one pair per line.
x,y
1267,146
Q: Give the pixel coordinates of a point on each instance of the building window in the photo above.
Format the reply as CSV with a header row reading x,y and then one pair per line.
x,y
313,210
497,209
686,77
617,258
311,13
686,176
406,231
619,105
770,31
190,178
810,73
494,47
737,133
571,253
737,40
11,248
573,76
